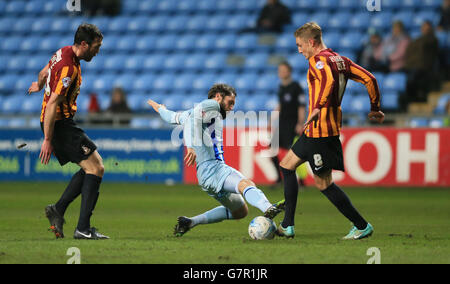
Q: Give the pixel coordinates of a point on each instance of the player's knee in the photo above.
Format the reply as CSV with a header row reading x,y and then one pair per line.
x,y
243,184
240,213
323,181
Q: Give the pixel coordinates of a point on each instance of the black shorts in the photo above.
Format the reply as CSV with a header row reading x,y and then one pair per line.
x,y
322,154
70,143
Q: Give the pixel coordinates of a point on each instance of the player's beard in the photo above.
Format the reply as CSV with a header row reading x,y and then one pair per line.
x,y
223,112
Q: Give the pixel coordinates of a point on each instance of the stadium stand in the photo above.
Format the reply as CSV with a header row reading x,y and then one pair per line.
x,y
177,49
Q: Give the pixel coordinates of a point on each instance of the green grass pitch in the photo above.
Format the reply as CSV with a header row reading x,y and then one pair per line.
x,y
411,226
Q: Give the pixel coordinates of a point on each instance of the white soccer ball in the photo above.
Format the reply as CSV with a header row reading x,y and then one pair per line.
x,y
262,228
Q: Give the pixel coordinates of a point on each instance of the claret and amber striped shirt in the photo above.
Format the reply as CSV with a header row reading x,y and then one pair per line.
x,y
64,79
327,78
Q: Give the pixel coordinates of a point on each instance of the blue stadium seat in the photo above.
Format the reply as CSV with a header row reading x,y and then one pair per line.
x,y
321,18
351,40
205,42
23,82
164,82
41,26
306,4
255,103
216,61
124,81
216,23
119,24
34,122
11,45
137,24
145,43
143,83
285,41
187,6
147,7
54,7
436,123
184,82
186,42
101,22
339,20
195,62
173,102
226,6
359,21
206,6
267,82
360,104
134,63
348,4
6,23
271,103
411,4
115,62
102,83
227,78
109,44
431,4
31,104
49,44
346,102
12,104
247,42
332,40
154,62
157,24
394,82
246,82
196,23
60,25
166,42
418,122
389,101
96,65
298,63
17,123
381,20
7,83
331,5
299,18
17,63
190,101
256,61
167,6
203,83
174,62
177,23
65,41
225,42
126,43
441,104
389,5
22,26
15,7
136,102
237,21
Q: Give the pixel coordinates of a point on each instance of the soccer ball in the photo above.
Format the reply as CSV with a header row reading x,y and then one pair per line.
x,y
262,228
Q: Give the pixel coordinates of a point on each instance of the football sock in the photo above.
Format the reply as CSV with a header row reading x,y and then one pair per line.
x,y
256,198
89,196
214,215
335,194
72,191
290,196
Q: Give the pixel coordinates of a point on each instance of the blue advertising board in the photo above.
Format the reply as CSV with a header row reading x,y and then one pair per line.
x,y
128,155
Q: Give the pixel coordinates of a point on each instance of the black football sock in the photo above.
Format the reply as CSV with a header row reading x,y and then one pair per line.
x,y
276,163
290,196
72,191
335,194
89,196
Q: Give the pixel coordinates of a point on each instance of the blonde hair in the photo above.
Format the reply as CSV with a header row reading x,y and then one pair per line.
x,y
310,30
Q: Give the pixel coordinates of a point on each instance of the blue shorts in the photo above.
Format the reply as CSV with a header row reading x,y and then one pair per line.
x,y
212,174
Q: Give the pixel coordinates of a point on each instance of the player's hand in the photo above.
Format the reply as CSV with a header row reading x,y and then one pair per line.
x,y
313,117
46,152
189,159
33,88
155,105
299,128
377,116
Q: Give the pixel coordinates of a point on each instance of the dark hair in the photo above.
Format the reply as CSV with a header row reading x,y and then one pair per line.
x,y
223,89
285,63
88,33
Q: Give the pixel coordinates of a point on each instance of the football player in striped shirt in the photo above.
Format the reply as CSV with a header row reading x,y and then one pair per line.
x,y
319,144
63,138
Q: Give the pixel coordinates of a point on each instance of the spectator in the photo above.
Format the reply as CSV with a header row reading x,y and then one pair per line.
x,y
273,16
420,63
118,106
292,102
444,22
371,56
101,7
394,47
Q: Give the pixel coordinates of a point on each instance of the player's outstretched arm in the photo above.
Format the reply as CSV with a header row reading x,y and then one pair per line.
x,y
155,105
39,84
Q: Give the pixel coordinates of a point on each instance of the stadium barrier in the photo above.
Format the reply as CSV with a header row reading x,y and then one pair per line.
x,y
128,156
372,156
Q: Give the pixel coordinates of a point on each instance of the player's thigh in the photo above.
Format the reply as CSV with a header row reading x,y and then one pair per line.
x,y
93,164
291,161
